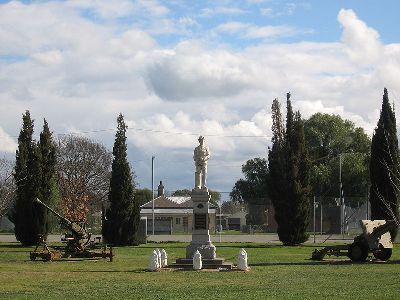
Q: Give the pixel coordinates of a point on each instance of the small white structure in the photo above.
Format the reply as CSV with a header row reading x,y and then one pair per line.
x,y
159,258
153,261
197,263
242,260
164,258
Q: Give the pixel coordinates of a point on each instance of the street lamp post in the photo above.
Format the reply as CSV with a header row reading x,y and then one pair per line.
x,y
220,221
314,218
342,208
152,188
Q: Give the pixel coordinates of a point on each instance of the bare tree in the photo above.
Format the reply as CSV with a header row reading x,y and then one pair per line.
x,y
84,168
7,185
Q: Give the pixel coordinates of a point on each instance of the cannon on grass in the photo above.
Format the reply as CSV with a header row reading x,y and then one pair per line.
x,y
78,242
375,239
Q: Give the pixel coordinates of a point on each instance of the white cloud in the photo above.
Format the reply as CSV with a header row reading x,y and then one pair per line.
x,y
232,27
221,10
362,41
250,31
193,72
7,143
255,32
266,11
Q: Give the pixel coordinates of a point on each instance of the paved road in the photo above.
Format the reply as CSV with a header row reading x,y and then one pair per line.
x,y
240,238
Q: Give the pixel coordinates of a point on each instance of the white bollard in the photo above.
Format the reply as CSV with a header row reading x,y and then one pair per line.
x,y
153,261
242,260
159,258
197,263
164,258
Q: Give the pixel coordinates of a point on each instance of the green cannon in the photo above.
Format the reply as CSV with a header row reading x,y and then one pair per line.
x,y
375,239
78,242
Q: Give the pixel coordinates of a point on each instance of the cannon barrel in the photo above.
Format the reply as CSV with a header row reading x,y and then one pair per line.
x,y
65,221
77,230
382,229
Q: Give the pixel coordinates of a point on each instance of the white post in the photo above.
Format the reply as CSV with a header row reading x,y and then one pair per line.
x,y
152,186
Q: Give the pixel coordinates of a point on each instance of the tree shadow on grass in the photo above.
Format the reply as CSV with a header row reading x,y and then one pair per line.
x,y
336,262
163,246
268,246
5,246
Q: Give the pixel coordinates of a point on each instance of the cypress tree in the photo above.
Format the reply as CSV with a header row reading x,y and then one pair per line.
x,y
123,215
288,178
384,166
27,174
48,189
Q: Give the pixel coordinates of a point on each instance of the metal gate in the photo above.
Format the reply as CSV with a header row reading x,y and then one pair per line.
x,y
161,226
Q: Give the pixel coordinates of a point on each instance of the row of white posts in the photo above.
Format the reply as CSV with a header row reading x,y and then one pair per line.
x,y
158,260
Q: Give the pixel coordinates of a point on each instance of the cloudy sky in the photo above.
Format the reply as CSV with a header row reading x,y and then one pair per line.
x,y
177,69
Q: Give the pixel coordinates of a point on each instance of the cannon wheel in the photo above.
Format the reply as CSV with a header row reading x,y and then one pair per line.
x,y
382,253
358,252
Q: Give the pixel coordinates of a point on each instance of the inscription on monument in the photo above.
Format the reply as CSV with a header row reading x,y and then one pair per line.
x,y
200,221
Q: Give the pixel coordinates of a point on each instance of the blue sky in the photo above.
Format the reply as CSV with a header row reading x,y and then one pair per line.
x,y
177,69
316,18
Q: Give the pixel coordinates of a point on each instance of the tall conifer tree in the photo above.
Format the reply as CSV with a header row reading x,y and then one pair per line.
x,y
384,166
122,217
288,178
27,176
48,189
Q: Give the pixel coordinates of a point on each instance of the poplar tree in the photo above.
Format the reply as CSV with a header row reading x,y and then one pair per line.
x,y
121,221
288,178
27,175
384,166
48,189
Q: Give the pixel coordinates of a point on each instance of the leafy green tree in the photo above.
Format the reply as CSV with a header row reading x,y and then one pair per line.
x,y
182,193
288,180
254,186
143,196
24,214
384,167
328,136
231,207
123,215
215,197
48,189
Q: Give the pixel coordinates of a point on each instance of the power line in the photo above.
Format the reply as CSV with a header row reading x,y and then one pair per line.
x,y
153,131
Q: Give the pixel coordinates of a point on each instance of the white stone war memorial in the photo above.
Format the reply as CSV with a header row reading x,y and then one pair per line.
x,y
201,200
200,197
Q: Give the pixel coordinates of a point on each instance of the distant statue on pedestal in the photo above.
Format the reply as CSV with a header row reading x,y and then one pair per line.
x,y
201,157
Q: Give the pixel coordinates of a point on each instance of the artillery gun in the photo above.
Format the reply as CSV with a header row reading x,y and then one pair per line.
x,y
78,242
375,238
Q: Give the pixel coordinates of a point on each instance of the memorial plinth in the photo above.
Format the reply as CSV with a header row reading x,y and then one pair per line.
x,y
201,235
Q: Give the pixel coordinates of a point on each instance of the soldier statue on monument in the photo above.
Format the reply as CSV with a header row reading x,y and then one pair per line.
x,y
201,157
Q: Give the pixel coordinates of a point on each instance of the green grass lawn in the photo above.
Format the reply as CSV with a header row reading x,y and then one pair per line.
x,y
276,272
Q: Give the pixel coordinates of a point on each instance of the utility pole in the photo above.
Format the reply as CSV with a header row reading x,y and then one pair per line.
x,y
320,227
314,218
220,221
342,216
152,186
